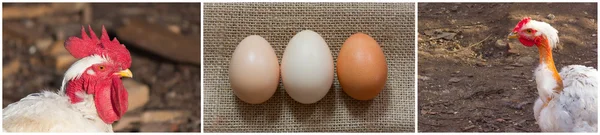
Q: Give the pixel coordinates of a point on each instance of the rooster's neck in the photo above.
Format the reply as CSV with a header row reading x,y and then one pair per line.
x,y
547,77
74,90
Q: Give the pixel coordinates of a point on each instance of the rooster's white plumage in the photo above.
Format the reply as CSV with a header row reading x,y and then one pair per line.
x,y
51,112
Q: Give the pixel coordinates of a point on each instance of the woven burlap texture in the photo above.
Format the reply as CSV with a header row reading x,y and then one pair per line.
x,y
391,24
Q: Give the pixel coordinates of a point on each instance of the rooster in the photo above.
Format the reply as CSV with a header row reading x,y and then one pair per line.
x,y
567,100
91,97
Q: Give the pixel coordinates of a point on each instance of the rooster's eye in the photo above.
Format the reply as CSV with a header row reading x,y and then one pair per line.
x,y
101,67
528,30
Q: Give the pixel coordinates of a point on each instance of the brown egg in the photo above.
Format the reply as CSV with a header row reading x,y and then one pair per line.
x,y
361,67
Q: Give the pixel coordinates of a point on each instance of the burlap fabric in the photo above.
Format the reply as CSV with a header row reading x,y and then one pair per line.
x,y
391,24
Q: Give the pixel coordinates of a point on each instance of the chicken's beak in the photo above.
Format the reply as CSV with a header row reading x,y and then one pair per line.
x,y
125,73
513,35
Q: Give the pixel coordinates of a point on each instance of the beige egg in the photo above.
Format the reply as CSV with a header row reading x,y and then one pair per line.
x,y
254,70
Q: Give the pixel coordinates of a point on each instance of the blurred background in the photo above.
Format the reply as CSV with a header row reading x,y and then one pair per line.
x,y
164,41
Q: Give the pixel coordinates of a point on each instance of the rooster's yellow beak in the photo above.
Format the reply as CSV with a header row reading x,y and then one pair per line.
x,y
125,73
513,35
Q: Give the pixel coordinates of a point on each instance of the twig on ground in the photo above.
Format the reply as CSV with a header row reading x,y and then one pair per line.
x,y
471,45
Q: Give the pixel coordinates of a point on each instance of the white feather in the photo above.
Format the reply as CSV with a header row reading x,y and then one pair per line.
x,y
52,112
544,28
544,80
575,108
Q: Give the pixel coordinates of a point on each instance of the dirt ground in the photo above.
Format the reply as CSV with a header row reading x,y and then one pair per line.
x,y
30,64
471,79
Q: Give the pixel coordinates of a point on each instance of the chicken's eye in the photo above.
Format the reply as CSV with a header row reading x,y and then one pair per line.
x,y
528,31
101,67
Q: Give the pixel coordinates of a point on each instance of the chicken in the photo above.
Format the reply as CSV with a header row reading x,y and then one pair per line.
x,y
567,100
91,97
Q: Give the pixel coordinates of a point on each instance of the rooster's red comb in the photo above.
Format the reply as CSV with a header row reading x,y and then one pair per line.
x,y
522,23
87,46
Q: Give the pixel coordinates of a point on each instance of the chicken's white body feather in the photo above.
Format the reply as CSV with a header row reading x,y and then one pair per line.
x,y
575,108
31,114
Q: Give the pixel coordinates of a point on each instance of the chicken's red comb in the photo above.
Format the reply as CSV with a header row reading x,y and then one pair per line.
x,y
86,46
522,23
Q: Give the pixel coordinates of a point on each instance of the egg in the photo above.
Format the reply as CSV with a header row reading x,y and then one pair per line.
x,y
254,70
307,67
361,67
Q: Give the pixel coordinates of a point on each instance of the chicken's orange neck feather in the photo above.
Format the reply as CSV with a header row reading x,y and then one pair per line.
x,y
545,51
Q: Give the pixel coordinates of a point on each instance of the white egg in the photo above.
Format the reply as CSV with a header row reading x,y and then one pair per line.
x,y
307,67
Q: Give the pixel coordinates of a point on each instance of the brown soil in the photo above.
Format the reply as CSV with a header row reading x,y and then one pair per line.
x,y
469,83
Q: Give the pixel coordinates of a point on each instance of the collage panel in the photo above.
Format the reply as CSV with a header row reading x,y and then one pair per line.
x,y
499,67
243,92
101,67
